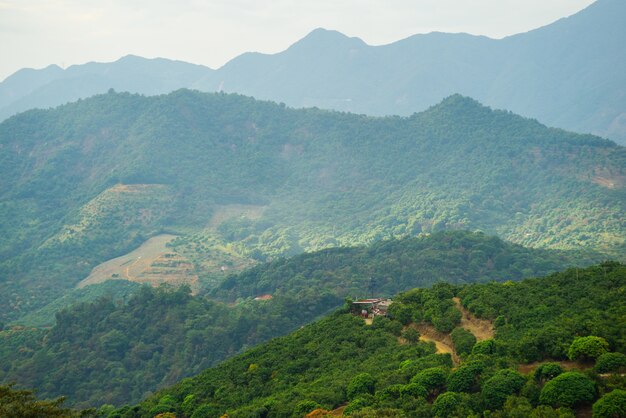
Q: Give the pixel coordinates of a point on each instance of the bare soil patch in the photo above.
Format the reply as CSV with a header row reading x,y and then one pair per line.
x,y
481,328
152,263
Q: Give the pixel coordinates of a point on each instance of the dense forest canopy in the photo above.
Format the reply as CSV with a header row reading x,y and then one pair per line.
x,y
92,180
119,348
340,361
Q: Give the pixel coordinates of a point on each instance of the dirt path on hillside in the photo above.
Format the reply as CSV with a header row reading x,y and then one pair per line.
x,y
481,328
442,341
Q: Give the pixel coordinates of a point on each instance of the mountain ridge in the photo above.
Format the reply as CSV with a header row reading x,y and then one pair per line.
x,y
566,74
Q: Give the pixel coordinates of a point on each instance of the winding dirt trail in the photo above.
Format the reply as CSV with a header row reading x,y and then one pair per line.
x,y
481,328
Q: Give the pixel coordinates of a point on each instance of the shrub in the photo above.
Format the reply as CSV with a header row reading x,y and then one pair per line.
x,y
304,407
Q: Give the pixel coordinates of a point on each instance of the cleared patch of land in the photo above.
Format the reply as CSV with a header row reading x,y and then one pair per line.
x,y
443,342
153,263
481,328
224,213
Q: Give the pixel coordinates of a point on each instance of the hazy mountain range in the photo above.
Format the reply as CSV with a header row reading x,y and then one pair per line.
x,y
569,74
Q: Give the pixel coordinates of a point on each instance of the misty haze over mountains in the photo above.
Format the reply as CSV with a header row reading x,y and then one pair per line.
x,y
569,74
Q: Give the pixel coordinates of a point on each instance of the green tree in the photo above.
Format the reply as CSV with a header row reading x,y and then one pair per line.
x,y
411,335
568,389
432,379
547,371
449,404
463,341
587,348
362,383
611,405
610,362
504,383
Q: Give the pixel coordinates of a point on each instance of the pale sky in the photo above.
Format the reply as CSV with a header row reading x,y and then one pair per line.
x,y
36,33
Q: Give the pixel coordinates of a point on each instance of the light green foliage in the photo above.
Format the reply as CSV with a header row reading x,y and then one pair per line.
x,y
610,362
587,348
611,405
568,389
504,383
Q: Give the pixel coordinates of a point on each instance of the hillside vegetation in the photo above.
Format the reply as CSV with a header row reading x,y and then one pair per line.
x,y
92,180
119,348
339,361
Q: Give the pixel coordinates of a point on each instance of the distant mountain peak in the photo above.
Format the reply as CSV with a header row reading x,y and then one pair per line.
x,y
322,37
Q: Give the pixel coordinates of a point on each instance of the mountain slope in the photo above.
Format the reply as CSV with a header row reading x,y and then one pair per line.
x,y
160,336
340,361
568,74
322,179
52,86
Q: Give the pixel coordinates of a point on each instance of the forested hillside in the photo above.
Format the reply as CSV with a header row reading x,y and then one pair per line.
x,y
92,180
122,347
367,371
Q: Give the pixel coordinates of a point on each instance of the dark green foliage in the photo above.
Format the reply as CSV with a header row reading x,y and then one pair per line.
x,y
411,335
304,407
466,378
463,341
486,347
449,404
503,384
610,362
397,265
361,384
432,379
327,361
330,361
611,405
587,348
103,352
547,371
568,389
543,316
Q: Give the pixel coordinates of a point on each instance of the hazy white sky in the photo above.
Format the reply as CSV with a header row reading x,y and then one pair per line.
x,y
36,33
